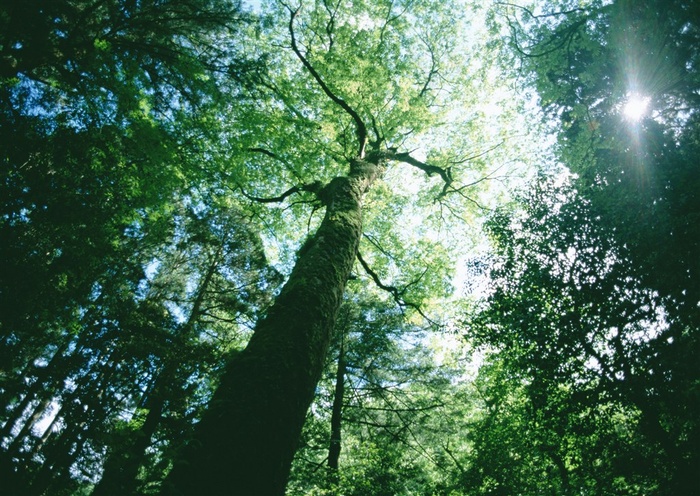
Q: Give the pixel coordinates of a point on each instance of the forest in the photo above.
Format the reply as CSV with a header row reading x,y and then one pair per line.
x,y
350,247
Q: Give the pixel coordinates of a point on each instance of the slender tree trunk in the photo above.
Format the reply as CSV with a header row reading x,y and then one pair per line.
x,y
48,433
122,467
246,440
84,413
59,458
38,411
337,412
44,381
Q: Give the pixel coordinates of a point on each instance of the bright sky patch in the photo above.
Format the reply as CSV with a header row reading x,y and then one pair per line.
x,y
635,107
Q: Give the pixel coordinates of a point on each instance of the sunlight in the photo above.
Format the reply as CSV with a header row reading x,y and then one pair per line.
x,y
635,107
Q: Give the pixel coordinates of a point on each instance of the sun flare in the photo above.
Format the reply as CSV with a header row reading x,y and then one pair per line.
x,y
635,107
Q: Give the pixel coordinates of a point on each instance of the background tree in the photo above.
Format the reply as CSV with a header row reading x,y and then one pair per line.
x,y
373,434
575,336
106,110
594,310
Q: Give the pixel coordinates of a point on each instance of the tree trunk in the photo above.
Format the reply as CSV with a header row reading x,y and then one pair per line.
x,y
337,412
15,445
246,440
122,466
44,381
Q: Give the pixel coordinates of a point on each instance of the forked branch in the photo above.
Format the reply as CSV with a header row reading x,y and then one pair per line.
x,y
445,174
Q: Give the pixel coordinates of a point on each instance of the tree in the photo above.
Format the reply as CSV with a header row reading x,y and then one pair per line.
x,y
86,94
103,106
132,369
377,407
593,314
219,251
137,136
573,335
634,171
364,89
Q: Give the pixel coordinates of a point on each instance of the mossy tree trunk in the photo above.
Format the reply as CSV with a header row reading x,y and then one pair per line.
x,y
247,439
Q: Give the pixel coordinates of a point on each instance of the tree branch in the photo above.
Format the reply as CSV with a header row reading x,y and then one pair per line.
x,y
480,154
539,16
274,199
394,291
270,154
445,174
360,127
433,67
314,187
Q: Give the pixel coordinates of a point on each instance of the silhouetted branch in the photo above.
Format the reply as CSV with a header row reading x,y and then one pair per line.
x,y
360,127
539,16
445,174
314,187
274,199
396,294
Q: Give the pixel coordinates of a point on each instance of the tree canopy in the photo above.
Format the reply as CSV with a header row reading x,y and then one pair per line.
x,y
349,247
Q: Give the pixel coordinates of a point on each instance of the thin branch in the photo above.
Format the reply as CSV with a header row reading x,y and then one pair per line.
x,y
274,199
330,26
273,155
376,244
480,154
540,16
265,152
394,291
487,177
433,67
432,406
459,466
314,187
360,127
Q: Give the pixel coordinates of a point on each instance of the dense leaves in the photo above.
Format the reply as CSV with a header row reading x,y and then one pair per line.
x,y
581,359
592,319
165,166
125,282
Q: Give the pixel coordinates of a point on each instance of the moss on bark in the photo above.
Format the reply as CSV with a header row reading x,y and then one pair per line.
x,y
247,439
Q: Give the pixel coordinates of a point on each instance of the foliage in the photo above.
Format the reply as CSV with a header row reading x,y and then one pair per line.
x,y
592,318
110,230
577,360
159,158
395,410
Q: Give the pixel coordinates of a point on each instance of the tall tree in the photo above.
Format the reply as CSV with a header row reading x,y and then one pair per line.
x,y
94,103
103,105
573,337
611,260
366,85
224,260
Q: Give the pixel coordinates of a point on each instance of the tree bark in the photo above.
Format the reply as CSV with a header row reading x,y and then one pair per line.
x,y
246,440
